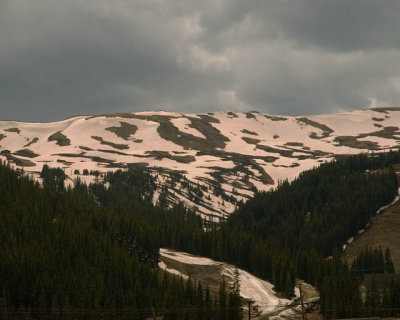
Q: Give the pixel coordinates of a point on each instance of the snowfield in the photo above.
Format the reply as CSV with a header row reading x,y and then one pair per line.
x,y
251,287
227,154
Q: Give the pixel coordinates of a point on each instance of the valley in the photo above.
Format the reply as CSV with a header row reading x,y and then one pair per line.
x,y
199,160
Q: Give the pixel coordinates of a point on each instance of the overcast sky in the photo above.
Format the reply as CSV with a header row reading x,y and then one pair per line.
x,y
60,58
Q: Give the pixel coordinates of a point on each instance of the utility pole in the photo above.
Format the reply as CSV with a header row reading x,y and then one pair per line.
x,y
249,303
302,303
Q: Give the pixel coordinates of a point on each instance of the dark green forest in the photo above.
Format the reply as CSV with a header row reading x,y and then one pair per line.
x,y
294,231
92,251
371,261
63,255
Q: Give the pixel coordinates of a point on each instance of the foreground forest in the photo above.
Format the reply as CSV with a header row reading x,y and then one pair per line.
x,y
92,251
63,255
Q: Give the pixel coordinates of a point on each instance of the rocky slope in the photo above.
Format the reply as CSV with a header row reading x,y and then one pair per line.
x,y
209,161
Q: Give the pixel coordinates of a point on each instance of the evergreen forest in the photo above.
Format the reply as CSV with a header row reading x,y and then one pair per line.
x,y
64,255
91,251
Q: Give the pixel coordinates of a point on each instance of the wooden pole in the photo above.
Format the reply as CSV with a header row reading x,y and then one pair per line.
x,y
249,302
302,303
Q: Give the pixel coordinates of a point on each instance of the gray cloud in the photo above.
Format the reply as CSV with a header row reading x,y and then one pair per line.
x,y
66,57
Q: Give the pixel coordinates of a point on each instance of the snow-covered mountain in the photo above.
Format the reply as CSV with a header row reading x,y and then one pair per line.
x,y
209,161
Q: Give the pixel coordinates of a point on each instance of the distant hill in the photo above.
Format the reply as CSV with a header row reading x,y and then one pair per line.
x,y
209,161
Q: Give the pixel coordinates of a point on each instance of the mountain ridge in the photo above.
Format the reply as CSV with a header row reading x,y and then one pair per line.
x,y
223,157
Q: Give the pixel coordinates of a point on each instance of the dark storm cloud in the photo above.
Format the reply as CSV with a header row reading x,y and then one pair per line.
x,y
66,57
335,25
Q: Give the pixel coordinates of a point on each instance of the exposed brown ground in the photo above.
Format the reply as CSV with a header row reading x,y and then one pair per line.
x,y
208,274
384,231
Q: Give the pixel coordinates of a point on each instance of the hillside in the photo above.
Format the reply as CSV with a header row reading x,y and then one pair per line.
x,y
276,236
383,231
212,272
223,157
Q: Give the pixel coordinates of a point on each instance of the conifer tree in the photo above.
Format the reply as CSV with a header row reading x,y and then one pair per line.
x,y
222,306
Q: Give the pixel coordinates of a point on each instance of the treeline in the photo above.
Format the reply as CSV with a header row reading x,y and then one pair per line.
x,y
379,299
373,260
63,255
340,285
320,209
382,302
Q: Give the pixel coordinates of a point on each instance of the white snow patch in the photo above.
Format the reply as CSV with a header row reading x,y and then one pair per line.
x,y
256,289
274,134
183,125
251,287
390,204
350,240
187,258
163,266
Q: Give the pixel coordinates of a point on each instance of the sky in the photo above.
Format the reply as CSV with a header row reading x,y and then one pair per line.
x,y
60,58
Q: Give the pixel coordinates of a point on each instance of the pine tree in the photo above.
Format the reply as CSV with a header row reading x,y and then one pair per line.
x,y
222,306
208,305
234,299
389,268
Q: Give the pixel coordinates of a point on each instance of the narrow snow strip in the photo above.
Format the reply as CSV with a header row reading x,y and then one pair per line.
x,y
187,258
350,240
390,204
396,198
163,266
256,289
